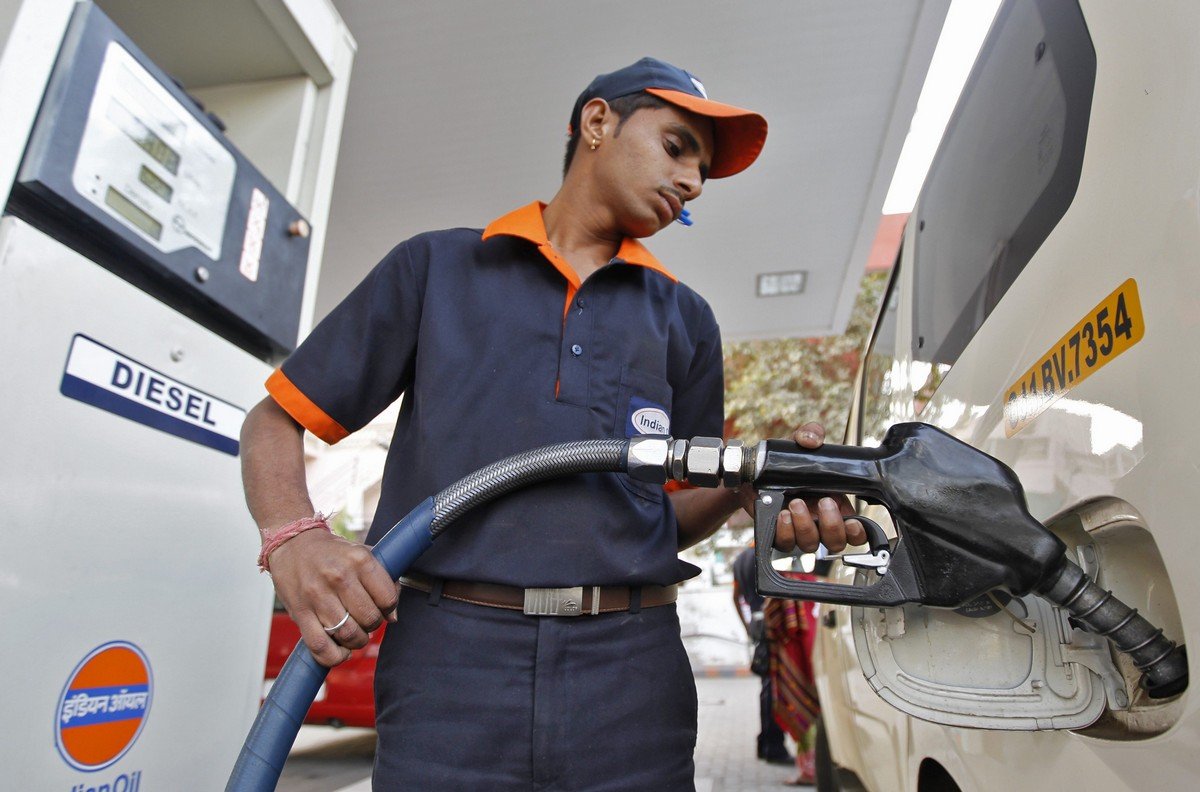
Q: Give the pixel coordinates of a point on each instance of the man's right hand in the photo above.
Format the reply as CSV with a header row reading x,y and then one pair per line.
x,y
319,578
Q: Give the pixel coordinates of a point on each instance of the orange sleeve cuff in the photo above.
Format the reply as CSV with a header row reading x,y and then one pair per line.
x,y
676,486
301,408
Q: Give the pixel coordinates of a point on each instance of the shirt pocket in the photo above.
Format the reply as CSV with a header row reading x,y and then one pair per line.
x,y
643,407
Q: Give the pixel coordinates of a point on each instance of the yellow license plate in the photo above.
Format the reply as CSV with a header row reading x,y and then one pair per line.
x,y
1108,330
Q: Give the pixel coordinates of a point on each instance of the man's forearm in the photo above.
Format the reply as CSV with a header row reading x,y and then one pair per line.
x,y
700,512
273,466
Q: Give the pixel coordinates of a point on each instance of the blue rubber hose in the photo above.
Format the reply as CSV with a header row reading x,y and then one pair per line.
x,y
274,730
270,739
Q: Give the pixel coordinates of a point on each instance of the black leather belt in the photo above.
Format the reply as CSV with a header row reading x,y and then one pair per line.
x,y
570,601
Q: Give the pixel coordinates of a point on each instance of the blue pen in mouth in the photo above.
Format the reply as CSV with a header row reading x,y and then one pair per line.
x,y
685,217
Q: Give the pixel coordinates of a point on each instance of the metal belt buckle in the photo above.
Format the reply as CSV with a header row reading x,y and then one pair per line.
x,y
555,601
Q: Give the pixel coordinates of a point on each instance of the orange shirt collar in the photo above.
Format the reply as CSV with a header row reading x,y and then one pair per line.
x,y
527,223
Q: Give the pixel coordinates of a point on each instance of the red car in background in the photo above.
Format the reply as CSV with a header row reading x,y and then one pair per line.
x,y
348,696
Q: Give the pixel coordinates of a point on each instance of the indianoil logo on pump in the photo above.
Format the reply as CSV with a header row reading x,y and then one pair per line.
x,y
103,706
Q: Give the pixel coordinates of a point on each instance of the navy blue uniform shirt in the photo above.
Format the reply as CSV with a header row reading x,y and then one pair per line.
x,y
498,348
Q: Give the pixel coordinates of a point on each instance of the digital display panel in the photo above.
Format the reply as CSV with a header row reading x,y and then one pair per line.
x,y
155,183
133,213
138,132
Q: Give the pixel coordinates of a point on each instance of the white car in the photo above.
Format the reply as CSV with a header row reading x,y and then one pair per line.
x,y
1043,306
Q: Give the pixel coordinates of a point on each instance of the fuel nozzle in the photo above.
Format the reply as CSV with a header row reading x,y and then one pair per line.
x,y
701,461
963,529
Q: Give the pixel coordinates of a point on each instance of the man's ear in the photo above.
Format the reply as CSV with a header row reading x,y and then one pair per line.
x,y
596,121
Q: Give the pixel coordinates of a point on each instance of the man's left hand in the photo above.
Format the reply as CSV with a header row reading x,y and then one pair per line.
x,y
806,523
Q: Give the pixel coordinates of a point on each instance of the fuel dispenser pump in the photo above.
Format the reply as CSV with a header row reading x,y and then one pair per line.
x,y
149,274
128,169
963,526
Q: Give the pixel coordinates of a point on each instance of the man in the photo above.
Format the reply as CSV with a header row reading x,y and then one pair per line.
x,y
552,324
749,603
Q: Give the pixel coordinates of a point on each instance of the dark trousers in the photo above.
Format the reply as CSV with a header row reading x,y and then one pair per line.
x,y
478,698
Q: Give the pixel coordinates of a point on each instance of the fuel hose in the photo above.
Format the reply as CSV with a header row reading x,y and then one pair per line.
x,y
282,713
709,462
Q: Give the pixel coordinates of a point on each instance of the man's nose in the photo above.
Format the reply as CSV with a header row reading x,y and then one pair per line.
x,y
689,184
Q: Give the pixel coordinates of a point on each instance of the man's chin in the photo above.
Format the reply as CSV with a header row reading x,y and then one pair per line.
x,y
641,228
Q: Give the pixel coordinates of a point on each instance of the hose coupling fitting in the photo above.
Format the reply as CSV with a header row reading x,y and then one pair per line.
x,y
701,461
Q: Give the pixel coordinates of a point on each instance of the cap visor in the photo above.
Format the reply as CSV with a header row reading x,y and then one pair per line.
x,y
739,134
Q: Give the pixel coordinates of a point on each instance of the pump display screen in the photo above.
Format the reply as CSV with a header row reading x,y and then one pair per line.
x,y
126,169
148,162
151,143
155,183
133,213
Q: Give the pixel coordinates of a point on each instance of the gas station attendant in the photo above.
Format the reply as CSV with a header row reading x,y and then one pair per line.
x,y
552,324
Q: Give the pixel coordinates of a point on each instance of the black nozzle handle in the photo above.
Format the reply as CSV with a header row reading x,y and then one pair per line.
x,y
1163,663
961,521
894,588
876,539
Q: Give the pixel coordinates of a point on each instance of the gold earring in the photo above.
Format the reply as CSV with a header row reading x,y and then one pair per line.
x,y
595,144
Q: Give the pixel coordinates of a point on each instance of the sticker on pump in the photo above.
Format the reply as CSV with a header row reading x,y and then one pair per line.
x,y
1109,329
103,706
256,229
103,377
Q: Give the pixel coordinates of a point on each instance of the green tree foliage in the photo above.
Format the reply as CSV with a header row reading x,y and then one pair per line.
x,y
773,386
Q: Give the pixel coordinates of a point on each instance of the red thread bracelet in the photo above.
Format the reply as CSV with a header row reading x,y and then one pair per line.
x,y
273,539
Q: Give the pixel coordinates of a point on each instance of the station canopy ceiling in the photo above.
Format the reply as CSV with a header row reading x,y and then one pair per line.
x,y
458,109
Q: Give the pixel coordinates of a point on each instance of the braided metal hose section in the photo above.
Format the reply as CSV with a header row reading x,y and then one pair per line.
x,y
1163,664
519,470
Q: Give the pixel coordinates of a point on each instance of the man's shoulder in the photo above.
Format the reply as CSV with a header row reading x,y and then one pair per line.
x,y
690,304
445,238
419,252
691,296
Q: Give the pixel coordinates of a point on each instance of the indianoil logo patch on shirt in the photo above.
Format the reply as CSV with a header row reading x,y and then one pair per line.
x,y
103,706
646,418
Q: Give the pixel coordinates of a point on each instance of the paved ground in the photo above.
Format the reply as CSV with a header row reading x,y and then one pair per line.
x,y
328,760
725,760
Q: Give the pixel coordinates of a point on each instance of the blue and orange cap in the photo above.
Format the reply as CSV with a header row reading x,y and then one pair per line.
x,y
738,134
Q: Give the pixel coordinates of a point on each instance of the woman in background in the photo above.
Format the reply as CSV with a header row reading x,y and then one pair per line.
x,y
791,631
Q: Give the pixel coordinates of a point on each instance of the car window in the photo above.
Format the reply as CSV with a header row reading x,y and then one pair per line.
x,y
880,372
1003,177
